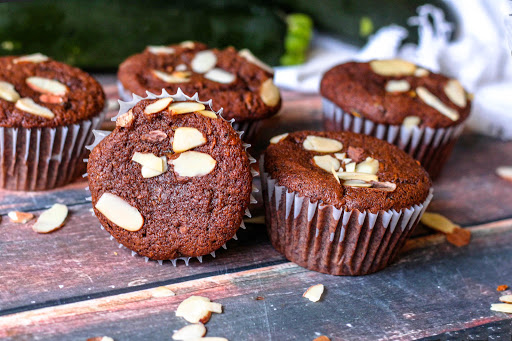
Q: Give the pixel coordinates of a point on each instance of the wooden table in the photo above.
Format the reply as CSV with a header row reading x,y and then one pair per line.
x,y
76,283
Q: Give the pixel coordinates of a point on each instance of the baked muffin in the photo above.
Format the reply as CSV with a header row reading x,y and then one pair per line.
x,y
240,83
339,202
419,111
172,180
47,113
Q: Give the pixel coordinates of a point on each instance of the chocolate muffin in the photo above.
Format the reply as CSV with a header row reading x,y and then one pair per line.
x,y
47,113
419,111
339,202
172,180
239,82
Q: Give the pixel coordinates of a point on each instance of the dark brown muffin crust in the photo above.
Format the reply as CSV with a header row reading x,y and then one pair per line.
x,y
355,87
183,216
293,167
83,100
240,99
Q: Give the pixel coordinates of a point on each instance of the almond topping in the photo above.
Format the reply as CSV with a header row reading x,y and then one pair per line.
x,y
162,292
188,44
160,49
203,61
197,309
502,307
357,176
186,138
356,183
148,172
392,67
154,136
397,86
411,122
326,162
192,331
438,222
506,299
20,217
190,164
278,138
157,106
51,219
31,58
8,92
369,166
350,167
504,172
322,144
247,55
180,67
220,76
340,156
28,105
46,86
52,99
269,93
314,293
185,107
207,113
175,77
120,212
125,119
421,72
436,103
455,92
148,160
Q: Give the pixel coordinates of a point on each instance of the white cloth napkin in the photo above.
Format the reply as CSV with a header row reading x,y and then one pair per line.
x,y
480,57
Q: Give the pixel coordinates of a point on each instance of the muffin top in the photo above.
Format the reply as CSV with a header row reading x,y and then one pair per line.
x,y
36,91
170,180
396,92
347,170
237,81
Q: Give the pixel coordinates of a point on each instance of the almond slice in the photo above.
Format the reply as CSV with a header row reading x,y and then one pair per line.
x,y
120,212
196,309
8,92
148,160
369,166
186,138
188,44
178,108
393,67
20,217
162,292
278,138
326,162
220,76
51,219
431,100
385,186
455,92
340,156
154,136
47,98
46,86
438,222
502,307
504,172
125,119
203,61
28,105
322,144
269,93
350,167
31,58
411,122
506,299
171,78
356,183
247,55
357,176
190,164
180,67
397,86
157,106
189,332
207,113
421,72
159,49
148,172
333,171
314,293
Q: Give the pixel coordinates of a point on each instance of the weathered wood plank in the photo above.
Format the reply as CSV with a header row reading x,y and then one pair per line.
x,y
434,288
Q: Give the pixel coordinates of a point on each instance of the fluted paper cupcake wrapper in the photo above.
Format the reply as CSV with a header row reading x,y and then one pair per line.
x,y
335,241
99,135
248,127
34,159
431,147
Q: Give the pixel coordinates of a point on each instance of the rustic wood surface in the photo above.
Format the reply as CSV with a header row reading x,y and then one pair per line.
x,y
76,283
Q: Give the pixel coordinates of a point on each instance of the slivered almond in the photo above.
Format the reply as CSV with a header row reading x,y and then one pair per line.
x,y
178,108
125,119
148,172
505,172
431,100
455,92
340,156
278,138
157,106
411,122
393,67
350,167
314,293
438,222
31,58
203,61
502,307
357,176
53,99
333,171
383,186
421,72
8,92
159,292
20,217
47,86
192,331
186,138
326,162
269,93
160,49
180,67
154,136
28,105
120,212
356,183
506,299
188,44
397,86
207,113
149,160
197,309
220,76
190,164
369,166
175,77
247,55
51,219
322,144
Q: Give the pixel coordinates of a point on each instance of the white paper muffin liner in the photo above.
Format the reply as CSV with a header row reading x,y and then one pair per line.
x,y
34,159
323,238
431,147
124,106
